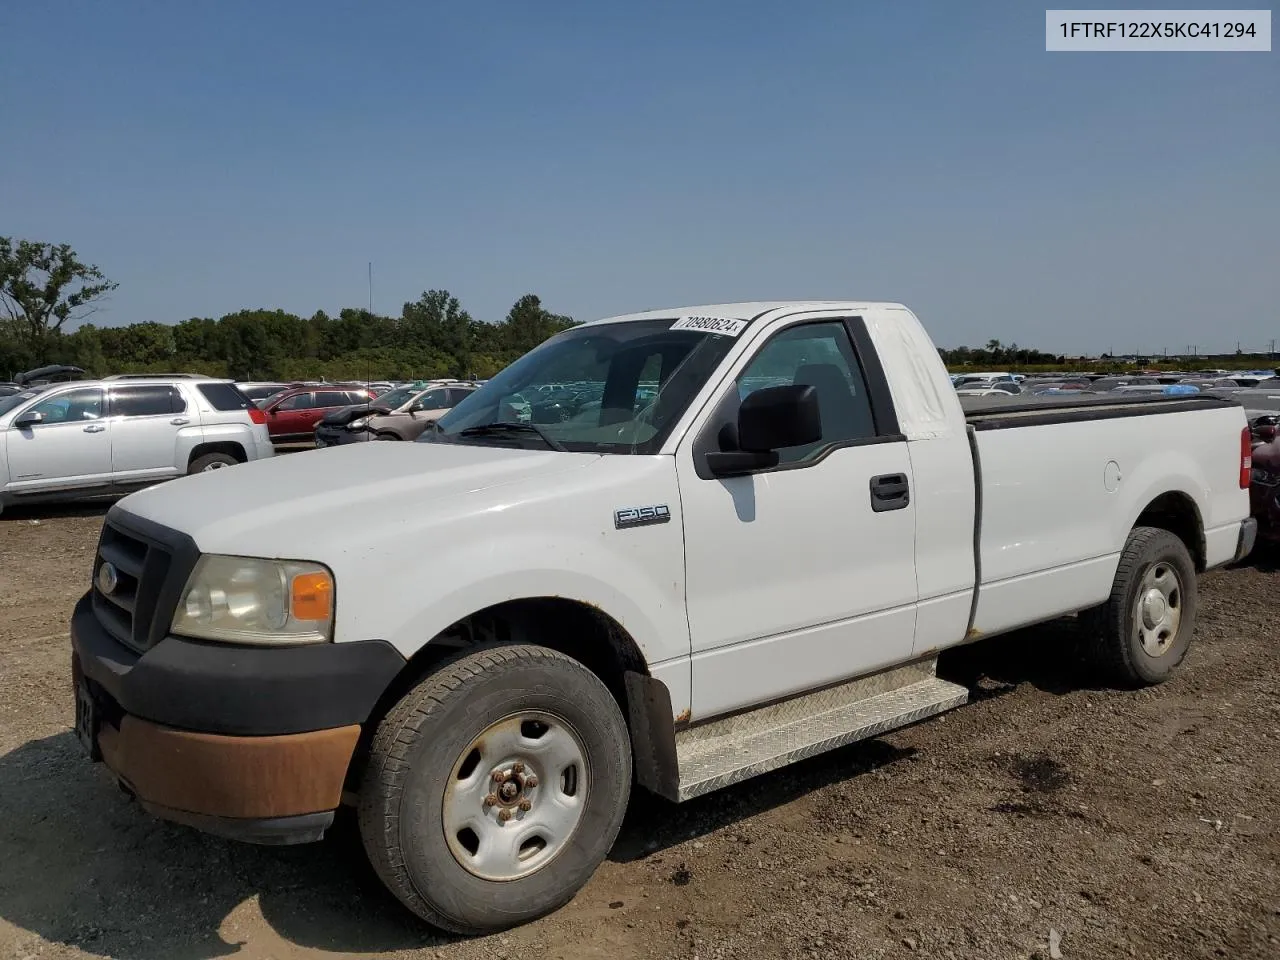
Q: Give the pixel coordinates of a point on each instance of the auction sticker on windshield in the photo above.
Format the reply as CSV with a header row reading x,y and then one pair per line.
x,y
724,326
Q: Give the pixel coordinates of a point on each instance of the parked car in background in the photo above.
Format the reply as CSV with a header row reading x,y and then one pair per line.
x,y
984,380
400,414
258,391
51,374
292,414
106,437
1264,486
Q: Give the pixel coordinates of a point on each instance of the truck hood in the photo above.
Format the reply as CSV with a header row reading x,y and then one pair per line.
x,y
274,506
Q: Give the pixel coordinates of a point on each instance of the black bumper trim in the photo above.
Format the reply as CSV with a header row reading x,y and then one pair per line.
x,y
220,688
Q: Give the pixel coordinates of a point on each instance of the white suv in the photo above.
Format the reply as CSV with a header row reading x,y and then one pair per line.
x,y
107,437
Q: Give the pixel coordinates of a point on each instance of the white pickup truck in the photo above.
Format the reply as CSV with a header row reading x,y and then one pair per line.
x,y
482,639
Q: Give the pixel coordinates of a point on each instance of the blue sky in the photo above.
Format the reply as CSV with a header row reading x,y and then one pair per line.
x,y
618,157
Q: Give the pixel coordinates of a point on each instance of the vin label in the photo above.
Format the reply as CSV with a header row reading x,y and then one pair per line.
x,y
723,326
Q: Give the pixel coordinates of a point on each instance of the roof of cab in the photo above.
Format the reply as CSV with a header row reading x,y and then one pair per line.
x,y
747,311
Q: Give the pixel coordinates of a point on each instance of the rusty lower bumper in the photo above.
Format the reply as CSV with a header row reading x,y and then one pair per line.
x,y
263,789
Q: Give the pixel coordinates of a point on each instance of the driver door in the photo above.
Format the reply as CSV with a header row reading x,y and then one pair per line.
x,y
801,575
69,449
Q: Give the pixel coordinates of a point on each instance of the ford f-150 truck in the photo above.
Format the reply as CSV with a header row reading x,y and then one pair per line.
x,y
679,587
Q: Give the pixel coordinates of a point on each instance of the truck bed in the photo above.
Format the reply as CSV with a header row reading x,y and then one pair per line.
x,y
1055,502
995,413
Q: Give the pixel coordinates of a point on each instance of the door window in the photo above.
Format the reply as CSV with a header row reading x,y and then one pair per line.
x,y
72,406
299,401
819,355
332,398
458,394
433,400
146,401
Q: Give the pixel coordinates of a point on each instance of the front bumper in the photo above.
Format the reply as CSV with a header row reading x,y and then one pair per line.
x,y
247,742
339,436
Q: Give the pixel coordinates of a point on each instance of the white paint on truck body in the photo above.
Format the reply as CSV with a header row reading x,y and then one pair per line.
x,y
759,586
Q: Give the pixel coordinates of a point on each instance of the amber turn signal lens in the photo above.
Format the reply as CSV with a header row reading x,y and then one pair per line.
x,y
311,596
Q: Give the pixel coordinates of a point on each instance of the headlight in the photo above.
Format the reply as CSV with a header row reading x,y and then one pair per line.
x,y
247,600
358,424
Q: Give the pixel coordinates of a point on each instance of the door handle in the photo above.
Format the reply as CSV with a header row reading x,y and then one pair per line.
x,y
95,428
890,491
179,421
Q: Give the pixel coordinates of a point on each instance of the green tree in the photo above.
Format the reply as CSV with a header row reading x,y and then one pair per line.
x,y
42,286
527,324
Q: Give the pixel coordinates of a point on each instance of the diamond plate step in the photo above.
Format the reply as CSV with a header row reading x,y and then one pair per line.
x,y
727,751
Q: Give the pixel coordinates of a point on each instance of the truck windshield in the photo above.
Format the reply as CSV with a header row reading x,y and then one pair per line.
x,y
607,388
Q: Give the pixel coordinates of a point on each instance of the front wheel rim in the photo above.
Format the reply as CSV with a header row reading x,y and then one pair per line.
x,y
216,465
516,796
1157,611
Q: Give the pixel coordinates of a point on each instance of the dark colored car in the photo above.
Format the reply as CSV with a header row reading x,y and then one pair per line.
x,y
1264,490
400,414
292,414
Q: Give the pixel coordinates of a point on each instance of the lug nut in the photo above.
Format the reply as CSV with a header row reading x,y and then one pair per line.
x,y
504,815
491,800
499,776
531,781
526,805
517,767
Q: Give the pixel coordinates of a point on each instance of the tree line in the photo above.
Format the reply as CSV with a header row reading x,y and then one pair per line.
x,y
45,287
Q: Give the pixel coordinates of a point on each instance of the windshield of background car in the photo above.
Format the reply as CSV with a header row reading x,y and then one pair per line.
x,y
397,398
607,388
16,400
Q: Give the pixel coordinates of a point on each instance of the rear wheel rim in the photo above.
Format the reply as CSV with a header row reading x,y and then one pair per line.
x,y
516,796
216,465
1157,614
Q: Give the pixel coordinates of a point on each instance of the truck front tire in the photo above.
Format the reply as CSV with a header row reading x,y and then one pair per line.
x,y
495,788
1142,633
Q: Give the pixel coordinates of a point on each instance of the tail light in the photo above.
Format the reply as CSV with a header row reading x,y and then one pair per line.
x,y
1246,459
257,416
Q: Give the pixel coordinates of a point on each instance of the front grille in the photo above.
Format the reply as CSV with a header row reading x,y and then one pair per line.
x,y
128,610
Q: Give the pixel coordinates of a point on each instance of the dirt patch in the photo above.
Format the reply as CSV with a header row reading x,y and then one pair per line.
x,y
1133,824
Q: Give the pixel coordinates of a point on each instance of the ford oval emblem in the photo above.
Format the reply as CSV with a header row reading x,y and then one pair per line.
x,y
108,579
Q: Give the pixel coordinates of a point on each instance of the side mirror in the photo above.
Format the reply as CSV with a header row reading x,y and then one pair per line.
x,y
28,420
769,420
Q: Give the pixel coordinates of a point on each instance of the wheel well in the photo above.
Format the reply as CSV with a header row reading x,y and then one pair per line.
x,y
1177,513
225,446
576,629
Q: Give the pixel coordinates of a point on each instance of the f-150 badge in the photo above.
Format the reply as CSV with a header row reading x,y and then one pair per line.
x,y
629,517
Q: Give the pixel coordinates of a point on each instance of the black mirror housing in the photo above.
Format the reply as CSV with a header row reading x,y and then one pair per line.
x,y
774,418
769,420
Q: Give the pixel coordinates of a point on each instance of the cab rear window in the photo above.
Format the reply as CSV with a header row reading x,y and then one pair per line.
x,y
224,396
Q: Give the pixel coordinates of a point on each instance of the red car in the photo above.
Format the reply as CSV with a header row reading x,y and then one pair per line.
x,y
292,414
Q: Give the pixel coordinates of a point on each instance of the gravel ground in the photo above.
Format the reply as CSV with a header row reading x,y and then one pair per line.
x,y
1047,818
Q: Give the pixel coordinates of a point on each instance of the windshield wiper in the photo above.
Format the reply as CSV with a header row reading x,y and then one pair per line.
x,y
504,426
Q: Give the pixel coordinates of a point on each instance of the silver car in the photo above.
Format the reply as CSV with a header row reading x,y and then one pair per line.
x,y
94,438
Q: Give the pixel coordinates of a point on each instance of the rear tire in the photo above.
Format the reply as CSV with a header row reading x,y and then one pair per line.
x,y
211,461
1143,631
473,854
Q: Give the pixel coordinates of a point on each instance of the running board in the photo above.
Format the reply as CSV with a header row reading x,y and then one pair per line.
x,y
723,752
